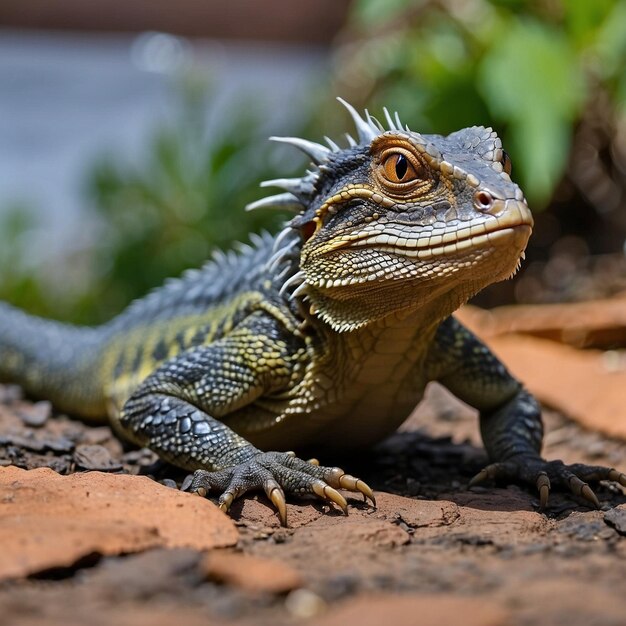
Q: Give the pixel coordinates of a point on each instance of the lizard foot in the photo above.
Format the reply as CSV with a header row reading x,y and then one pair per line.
x,y
545,474
277,473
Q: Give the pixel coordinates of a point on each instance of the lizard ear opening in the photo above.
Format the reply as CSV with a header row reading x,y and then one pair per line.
x,y
308,229
506,162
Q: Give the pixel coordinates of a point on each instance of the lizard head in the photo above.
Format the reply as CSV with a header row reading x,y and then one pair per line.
x,y
398,220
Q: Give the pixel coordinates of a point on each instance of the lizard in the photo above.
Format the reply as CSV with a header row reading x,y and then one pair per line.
x,y
323,335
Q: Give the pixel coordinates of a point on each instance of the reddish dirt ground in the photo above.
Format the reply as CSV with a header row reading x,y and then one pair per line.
x,y
110,547
94,532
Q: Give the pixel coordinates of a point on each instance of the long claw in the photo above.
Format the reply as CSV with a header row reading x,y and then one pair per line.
x,y
582,489
367,492
356,484
329,493
201,491
587,493
226,499
618,477
546,474
543,485
479,478
277,496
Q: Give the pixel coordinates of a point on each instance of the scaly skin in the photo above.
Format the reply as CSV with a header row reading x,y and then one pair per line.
x,y
324,335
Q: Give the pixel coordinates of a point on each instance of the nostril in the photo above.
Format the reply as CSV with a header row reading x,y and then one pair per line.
x,y
483,200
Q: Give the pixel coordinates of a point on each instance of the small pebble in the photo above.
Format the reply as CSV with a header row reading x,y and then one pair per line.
x,y
95,457
10,394
37,414
617,519
303,603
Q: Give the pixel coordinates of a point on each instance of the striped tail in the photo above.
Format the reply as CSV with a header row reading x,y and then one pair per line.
x,y
52,361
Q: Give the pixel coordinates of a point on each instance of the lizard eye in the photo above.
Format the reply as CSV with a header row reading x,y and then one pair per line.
x,y
506,162
398,169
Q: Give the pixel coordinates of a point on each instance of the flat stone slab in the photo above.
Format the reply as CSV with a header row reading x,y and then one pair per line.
x,y
51,521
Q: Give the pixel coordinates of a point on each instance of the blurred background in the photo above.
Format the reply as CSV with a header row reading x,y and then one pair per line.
x,y
132,134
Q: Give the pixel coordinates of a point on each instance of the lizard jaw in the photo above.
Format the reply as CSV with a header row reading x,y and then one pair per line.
x,y
514,218
499,237
470,243
376,273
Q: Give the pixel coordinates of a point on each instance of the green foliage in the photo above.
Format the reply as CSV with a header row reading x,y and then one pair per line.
x,y
18,280
532,60
185,199
528,67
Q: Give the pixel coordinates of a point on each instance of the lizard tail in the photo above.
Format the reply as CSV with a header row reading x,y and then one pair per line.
x,y
53,361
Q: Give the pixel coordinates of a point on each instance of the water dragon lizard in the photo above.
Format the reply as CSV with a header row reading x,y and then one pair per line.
x,y
325,334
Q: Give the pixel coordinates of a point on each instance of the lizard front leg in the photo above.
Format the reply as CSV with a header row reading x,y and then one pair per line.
x,y
175,412
510,417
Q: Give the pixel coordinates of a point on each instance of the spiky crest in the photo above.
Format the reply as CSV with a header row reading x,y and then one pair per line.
x,y
283,263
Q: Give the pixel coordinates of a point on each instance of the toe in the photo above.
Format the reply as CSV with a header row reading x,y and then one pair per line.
x,y
495,470
226,499
580,488
618,477
337,478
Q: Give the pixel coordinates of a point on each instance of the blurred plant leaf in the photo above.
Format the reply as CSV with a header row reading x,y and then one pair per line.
x,y
374,12
528,68
532,82
184,201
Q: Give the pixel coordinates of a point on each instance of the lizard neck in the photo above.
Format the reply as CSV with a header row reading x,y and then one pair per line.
x,y
419,322
400,336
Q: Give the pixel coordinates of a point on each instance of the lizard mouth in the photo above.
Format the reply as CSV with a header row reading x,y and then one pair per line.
x,y
439,246
512,228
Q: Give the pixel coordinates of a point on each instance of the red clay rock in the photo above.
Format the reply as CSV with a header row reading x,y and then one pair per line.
x,y
417,513
373,528
250,573
431,610
566,601
501,517
595,323
49,521
258,512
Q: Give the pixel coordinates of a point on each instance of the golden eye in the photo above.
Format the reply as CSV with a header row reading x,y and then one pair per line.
x,y
398,169
506,162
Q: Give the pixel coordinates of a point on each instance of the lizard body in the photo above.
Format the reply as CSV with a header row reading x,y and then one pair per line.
x,y
325,334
